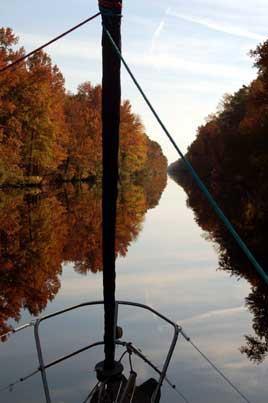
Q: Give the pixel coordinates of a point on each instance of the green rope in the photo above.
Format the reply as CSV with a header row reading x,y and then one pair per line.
x,y
201,185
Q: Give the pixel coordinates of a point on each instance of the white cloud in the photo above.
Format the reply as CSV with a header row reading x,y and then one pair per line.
x,y
158,32
175,63
218,26
214,314
89,49
156,35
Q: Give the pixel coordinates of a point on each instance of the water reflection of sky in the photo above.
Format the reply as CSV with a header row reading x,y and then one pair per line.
x,y
172,268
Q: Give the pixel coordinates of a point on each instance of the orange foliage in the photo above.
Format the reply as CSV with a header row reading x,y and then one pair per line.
x,y
48,135
39,232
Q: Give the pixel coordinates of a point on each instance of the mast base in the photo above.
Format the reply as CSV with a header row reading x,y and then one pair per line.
x,y
112,374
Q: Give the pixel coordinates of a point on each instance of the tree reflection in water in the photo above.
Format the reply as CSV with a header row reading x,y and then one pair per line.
x,y
248,212
40,230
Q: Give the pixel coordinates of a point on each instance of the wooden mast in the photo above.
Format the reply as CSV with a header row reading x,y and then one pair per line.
x,y
111,101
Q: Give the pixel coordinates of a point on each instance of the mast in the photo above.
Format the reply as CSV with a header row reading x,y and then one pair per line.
x,y
111,101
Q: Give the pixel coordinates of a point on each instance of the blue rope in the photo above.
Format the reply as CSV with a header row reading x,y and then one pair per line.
x,y
189,166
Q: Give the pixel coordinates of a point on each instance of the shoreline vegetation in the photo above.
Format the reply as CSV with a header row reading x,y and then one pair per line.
x,y
41,230
232,146
51,136
230,154
50,180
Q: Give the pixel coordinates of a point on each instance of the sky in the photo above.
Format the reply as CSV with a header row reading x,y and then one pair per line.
x,y
185,54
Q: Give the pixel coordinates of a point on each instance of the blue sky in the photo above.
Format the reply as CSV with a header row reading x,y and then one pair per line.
x,y
186,54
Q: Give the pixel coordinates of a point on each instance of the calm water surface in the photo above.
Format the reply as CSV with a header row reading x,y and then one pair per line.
x,y
165,262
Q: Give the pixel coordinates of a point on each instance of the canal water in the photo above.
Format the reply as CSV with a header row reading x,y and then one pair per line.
x,y
51,260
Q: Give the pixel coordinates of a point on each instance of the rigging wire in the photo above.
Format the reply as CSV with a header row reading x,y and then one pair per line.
x,y
210,199
196,177
241,394
189,166
9,66
10,386
91,393
139,353
130,348
119,391
16,330
179,393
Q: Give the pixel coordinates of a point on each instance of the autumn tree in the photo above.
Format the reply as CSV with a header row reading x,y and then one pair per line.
x,y
44,128
83,116
230,153
33,131
133,142
11,87
48,135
